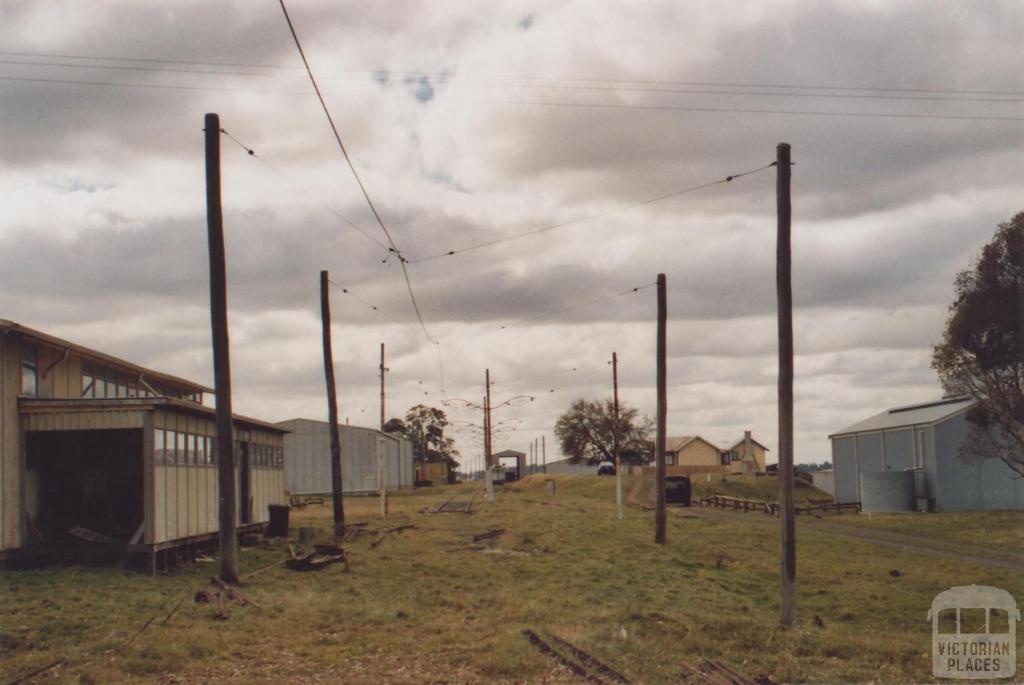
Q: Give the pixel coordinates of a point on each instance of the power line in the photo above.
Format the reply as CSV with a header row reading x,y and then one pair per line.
x,y
589,217
332,210
581,305
540,103
385,314
528,77
351,166
437,345
848,93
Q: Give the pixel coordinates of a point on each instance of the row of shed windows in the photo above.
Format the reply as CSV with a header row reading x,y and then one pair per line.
x,y
101,382
177,448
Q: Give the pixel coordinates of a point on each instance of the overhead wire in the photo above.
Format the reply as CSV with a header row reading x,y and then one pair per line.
x,y
542,103
252,153
448,75
581,305
589,217
697,87
355,173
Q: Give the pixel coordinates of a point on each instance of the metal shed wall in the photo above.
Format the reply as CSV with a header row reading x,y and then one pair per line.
x,y
951,483
844,464
984,484
307,460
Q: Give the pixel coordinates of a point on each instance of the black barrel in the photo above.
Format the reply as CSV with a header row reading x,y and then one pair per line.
x,y
278,526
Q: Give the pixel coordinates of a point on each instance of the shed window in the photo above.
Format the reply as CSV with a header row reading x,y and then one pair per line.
x,y
29,371
159,447
88,380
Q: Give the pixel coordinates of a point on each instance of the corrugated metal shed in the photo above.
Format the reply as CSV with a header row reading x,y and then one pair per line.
x,y
910,415
307,462
928,441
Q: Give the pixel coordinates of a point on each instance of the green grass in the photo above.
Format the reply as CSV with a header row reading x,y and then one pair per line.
x,y
426,604
1003,529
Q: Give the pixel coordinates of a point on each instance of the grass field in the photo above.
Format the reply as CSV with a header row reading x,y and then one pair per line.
x,y
429,605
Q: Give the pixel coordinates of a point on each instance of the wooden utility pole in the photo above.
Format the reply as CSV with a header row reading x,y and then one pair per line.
x,y
783,286
615,434
487,417
383,370
332,409
536,454
659,443
544,454
488,473
228,510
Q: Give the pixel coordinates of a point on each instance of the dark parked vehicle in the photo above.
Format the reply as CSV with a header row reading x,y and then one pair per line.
x,y
606,468
677,490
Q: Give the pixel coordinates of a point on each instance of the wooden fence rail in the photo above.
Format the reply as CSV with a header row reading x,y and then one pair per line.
x,y
772,508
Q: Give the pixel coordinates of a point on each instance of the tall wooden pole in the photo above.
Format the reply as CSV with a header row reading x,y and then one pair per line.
x,y
487,417
488,473
615,434
783,284
544,453
383,370
228,510
332,409
659,445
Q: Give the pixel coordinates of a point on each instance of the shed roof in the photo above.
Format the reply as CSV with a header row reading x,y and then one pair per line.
x,y
509,453
61,344
910,415
28,405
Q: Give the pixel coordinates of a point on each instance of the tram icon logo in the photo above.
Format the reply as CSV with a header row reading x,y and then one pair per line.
x,y
974,633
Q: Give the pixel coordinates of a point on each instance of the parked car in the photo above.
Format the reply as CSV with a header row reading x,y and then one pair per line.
x,y
678,490
606,468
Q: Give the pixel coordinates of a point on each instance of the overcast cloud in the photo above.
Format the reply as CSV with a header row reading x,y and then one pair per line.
x,y
474,121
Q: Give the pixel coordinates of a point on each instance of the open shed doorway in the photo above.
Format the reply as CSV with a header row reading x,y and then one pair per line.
x,y
88,479
511,466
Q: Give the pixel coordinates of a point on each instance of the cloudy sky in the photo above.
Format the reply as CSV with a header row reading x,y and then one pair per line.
x,y
474,121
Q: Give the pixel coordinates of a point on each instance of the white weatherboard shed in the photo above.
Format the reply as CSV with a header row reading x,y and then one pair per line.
x,y
924,440
307,458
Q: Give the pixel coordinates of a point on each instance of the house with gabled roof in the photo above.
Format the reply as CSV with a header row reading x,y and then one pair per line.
x,y
693,452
